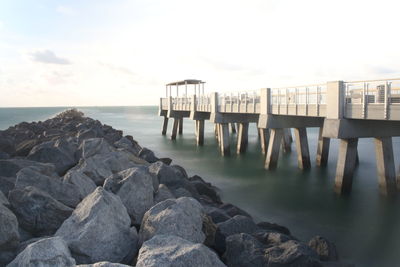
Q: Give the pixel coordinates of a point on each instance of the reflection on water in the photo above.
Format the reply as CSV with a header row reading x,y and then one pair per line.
x,y
364,225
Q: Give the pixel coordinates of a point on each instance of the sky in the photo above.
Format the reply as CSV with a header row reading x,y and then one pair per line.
x,y
123,52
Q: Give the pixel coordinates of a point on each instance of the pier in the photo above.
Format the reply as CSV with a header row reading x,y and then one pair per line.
x,y
341,110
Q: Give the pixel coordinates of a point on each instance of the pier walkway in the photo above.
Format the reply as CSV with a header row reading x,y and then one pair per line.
x,y
343,110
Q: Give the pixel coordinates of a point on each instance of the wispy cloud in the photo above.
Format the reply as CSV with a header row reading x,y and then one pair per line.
x,y
116,68
49,57
66,10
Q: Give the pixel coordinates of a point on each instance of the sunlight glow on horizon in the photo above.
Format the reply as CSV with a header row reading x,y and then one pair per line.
x,y
123,52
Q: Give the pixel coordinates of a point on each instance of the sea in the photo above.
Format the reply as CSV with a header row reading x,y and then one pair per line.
x,y
365,226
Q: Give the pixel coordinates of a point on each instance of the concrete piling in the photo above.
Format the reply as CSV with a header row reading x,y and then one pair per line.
x,y
224,139
264,139
345,165
175,128
233,128
303,154
275,139
164,126
200,132
385,165
322,149
242,139
287,140
181,126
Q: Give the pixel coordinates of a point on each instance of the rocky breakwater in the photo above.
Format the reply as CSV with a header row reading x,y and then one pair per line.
x,y
76,192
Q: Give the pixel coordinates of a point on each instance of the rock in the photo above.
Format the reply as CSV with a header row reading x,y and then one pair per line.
x,y
37,212
66,193
86,134
84,184
7,144
147,155
7,184
127,144
181,192
173,251
24,147
26,243
45,252
10,167
235,225
9,235
244,250
99,230
209,229
4,155
207,190
103,264
292,253
324,248
163,193
135,188
273,227
24,235
6,256
166,174
93,146
232,210
182,217
272,238
3,199
166,161
61,153
217,215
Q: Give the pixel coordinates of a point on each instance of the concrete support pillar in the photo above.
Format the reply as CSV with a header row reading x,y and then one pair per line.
x,y
200,132
385,165
165,126
242,139
322,149
180,125
224,139
175,128
216,130
264,139
275,139
303,155
345,165
287,140
233,127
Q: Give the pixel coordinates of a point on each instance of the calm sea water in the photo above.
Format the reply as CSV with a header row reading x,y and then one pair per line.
x,y
364,225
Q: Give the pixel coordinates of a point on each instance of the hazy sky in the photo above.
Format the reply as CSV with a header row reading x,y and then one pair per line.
x,y
120,52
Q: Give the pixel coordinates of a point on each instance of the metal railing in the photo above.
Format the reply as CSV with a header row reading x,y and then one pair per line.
x,y
299,95
240,102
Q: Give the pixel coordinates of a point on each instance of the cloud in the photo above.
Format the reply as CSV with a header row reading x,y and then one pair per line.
x,y
48,56
119,69
66,10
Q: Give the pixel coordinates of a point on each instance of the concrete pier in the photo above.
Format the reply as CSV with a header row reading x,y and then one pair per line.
x,y
303,155
224,139
180,126
164,126
287,140
322,149
200,132
385,165
345,165
275,139
233,128
264,139
242,139
175,128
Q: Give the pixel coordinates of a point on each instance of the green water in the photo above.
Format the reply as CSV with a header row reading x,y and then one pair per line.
x,y
364,225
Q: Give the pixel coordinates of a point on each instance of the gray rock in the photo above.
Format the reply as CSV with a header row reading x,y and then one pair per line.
x,y
163,193
173,251
45,252
166,161
292,254
37,212
217,215
244,250
135,188
272,238
84,184
147,155
4,155
7,184
3,199
23,245
273,227
182,217
86,134
99,230
324,248
6,256
9,235
93,146
103,264
24,147
235,225
209,229
10,167
232,210
127,144
207,190
66,193
61,153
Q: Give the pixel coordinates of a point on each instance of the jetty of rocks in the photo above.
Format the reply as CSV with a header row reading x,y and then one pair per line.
x,y
76,192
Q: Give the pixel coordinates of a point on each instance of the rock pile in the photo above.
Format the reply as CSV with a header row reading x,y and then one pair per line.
x,y
75,192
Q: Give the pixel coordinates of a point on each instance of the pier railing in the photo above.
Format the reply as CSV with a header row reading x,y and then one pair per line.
x,y
239,102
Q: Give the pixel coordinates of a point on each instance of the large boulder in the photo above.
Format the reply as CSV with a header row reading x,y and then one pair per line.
x,y
235,225
292,254
103,264
93,146
163,193
182,217
99,230
135,188
84,184
10,167
61,153
205,189
7,184
3,199
9,235
66,193
324,248
45,252
147,155
37,212
244,250
128,144
173,251
274,227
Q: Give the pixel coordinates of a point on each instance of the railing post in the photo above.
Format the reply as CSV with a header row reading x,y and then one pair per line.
x,y
193,105
335,105
214,102
265,101
169,102
386,101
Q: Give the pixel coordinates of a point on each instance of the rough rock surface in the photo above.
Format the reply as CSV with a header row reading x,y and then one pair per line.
x,y
10,167
45,252
37,212
103,264
324,248
182,217
135,188
163,193
84,184
173,251
9,235
99,230
3,199
147,155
